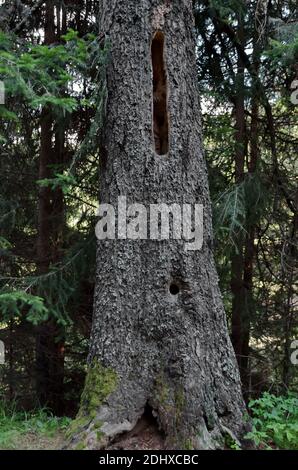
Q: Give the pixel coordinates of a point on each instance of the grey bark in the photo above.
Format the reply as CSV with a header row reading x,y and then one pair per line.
x,y
172,352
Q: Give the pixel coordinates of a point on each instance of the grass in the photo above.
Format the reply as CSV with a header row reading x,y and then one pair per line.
x,y
34,430
275,425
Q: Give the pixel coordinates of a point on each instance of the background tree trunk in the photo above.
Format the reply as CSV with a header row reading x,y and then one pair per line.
x,y
239,333
49,335
148,346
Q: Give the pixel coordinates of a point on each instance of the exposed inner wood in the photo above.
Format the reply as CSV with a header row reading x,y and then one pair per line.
x,y
145,435
160,92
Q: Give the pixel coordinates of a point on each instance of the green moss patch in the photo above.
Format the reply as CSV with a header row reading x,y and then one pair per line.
x,y
100,382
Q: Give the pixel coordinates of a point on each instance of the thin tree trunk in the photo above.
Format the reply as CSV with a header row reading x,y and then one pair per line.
x,y
49,339
249,252
43,255
288,270
237,258
11,379
159,335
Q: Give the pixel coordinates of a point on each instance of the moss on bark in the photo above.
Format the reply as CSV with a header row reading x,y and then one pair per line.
x,y
100,382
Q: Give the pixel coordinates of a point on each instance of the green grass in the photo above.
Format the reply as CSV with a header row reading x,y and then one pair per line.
x,y
19,429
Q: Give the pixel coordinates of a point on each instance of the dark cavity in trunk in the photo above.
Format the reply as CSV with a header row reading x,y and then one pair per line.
x,y
160,92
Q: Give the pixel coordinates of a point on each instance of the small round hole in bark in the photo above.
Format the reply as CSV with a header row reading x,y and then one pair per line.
x,y
174,289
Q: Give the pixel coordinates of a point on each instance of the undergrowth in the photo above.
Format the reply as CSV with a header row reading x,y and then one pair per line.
x,y
275,421
15,425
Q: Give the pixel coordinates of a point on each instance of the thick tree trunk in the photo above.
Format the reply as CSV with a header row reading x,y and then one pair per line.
x,y
159,336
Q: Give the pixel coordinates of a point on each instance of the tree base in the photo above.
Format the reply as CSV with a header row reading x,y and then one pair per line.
x,y
163,424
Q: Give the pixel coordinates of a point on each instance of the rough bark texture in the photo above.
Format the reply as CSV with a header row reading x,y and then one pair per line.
x,y
149,347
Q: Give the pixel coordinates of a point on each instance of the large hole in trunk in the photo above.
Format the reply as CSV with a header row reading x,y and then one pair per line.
x,y
160,95
145,435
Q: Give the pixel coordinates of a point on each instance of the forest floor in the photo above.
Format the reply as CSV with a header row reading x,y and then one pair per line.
x,y
274,419
37,430
35,441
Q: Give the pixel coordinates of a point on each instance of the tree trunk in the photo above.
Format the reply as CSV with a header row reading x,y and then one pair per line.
x,y
239,333
249,251
49,337
159,335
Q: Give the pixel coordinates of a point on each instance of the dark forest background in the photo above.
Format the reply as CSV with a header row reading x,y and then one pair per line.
x,y
52,61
